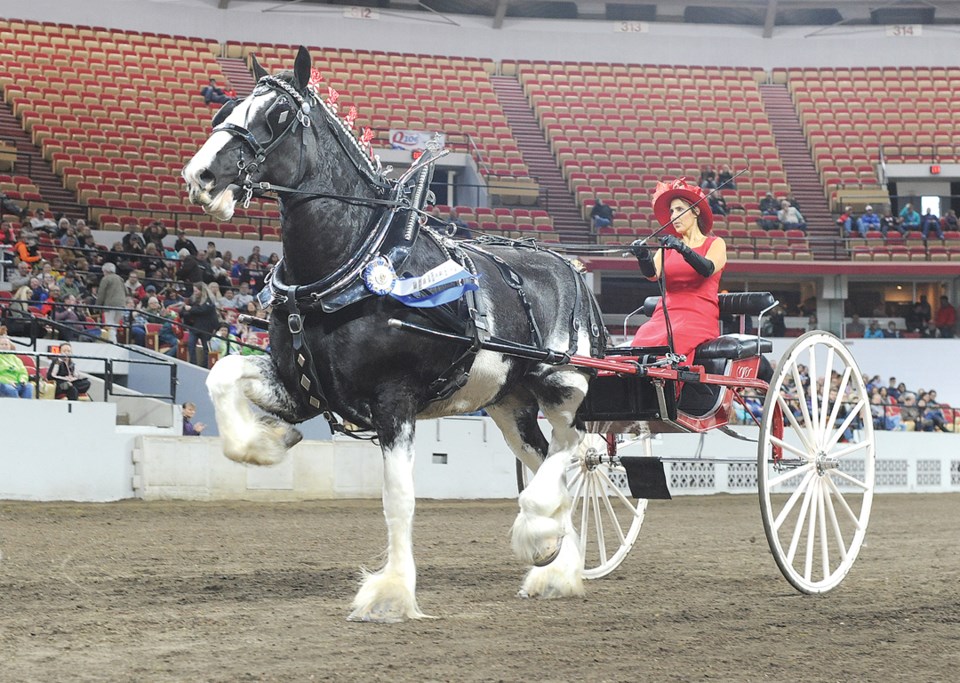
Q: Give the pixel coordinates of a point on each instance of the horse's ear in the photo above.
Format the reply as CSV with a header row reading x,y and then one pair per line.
x,y
301,68
258,71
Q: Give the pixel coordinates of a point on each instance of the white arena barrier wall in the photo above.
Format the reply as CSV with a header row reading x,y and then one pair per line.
x,y
63,450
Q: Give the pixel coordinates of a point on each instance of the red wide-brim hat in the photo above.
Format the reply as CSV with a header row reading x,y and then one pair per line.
x,y
666,192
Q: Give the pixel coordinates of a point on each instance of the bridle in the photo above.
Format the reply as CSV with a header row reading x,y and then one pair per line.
x,y
302,119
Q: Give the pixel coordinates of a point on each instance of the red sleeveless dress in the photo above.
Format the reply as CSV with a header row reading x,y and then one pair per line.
x,y
691,304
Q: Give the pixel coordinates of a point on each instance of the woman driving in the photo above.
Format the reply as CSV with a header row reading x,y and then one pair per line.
x,y
690,261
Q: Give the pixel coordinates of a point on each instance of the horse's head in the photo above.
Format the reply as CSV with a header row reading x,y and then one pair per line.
x,y
255,140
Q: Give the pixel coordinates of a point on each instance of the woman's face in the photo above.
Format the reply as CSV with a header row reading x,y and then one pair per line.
x,y
686,223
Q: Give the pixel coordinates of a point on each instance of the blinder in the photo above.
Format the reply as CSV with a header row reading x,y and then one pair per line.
x,y
223,112
278,113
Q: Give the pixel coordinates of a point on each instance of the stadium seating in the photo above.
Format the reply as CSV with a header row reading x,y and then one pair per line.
x,y
616,129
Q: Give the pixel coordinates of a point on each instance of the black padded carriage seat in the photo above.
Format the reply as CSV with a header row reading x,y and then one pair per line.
x,y
716,354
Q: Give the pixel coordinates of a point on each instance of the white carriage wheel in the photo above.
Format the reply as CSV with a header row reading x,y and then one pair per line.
x,y
816,463
606,518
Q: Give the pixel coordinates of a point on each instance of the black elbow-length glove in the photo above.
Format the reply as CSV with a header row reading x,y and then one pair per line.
x,y
644,258
701,264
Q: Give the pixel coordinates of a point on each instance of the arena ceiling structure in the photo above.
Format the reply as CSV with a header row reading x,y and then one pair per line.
x,y
768,14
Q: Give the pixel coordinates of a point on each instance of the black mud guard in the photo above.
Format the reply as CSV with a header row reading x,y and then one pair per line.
x,y
646,477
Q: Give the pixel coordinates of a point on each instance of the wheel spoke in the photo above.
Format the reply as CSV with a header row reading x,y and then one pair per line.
x,y
854,518
804,455
825,397
847,421
584,516
822,520
851,479
802,400
595,504
852,448
792,500
611,513
840,394
619,494
814,403
811,526
837,532
798,527
791,418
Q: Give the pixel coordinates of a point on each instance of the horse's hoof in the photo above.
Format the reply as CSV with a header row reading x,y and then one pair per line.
x,y
292,437
549,555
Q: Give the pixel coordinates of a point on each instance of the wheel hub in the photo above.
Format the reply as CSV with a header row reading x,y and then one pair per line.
x,y
824,463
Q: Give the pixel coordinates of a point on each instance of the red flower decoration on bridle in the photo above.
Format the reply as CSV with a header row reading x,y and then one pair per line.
x,y
351,116
367,136
315,79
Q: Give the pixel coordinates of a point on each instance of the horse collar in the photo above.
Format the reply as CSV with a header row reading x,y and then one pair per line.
x,y
391,238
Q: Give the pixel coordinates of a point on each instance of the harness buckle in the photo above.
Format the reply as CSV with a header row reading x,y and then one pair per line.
x,y
295,323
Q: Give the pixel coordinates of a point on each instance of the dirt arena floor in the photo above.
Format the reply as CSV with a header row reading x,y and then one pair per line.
x,y
138,591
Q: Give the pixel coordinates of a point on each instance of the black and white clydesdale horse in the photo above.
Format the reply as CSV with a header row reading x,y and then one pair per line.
x,y
346,231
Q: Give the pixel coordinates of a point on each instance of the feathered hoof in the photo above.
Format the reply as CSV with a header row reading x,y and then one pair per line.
x,y
385,599
560,578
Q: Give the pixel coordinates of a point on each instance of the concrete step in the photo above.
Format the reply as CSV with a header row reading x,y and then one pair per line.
x,y
30,163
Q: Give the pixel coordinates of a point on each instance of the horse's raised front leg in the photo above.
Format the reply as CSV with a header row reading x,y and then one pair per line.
x,y
543,533
389,595
235,382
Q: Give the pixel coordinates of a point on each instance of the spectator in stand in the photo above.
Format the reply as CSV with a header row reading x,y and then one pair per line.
x,y
212,251
152,264
20,277
889,222
70,382
213,94
847,221
892,332
601,215
27,248
909,411
71,323
220,274
925,310
868,222
255,259
930,221
932,418
229,91
8,236
223,343
133,242
708,178
189,428
8,206
909,219
134,287
930,331
718,205
190,270
873,331
111,292
725,177
946,318
790,217
70,284
855,328
41,222
200,314
14,378
184,242
239,271
244,296
228,300
119,258
949,221
155,234
768,213
892,391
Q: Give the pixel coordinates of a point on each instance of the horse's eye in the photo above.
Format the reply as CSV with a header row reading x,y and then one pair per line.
x,y
223,113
